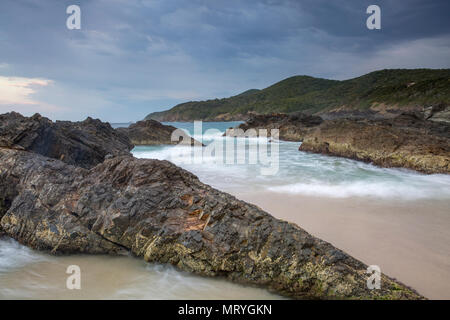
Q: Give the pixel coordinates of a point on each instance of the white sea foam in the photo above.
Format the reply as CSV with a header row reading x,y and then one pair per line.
x,y
387,190
309,174
13,255
304,173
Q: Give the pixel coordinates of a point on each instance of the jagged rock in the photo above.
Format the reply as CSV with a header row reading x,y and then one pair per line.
x,y
152,132
164,214
292,127
405,141
84,143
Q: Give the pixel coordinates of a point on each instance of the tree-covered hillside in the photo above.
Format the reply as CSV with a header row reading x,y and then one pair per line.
x,y
394,88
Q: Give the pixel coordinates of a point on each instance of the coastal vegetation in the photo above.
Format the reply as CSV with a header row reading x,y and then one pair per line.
x,y
385,89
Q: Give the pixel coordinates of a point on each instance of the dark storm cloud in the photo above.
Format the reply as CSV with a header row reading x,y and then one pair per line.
x,y
132,57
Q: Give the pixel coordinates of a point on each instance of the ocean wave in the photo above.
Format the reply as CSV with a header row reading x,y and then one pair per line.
x,y
305,173
388,189
14,255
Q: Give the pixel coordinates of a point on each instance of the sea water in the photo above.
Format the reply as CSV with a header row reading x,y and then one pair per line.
x,y
300,172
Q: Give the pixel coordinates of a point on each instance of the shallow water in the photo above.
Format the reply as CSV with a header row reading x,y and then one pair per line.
x,y
26,274
398,219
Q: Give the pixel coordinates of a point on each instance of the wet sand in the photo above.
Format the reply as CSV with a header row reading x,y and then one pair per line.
x,y
410,241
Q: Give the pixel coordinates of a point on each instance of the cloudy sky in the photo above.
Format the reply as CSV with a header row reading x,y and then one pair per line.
x,y
133,57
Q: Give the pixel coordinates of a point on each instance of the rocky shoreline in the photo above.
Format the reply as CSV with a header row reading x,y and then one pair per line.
x,y
407,140
162,213
402,142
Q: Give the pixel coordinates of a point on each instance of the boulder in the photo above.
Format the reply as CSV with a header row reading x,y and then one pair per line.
x,y
292,127
162,213
152,132
84,143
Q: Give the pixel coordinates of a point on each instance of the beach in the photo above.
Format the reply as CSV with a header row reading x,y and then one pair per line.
x,y
394,218
408,241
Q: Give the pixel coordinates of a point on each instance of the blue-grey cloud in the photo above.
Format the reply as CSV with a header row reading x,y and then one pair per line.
x,y
132,57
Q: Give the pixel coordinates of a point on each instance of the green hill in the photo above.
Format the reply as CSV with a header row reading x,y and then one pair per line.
x,y
395,88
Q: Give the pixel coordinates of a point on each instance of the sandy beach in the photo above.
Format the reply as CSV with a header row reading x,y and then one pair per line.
x,y
408,240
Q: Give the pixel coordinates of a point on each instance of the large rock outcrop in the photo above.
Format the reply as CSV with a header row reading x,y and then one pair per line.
x,y
152,132
84,143
164,214
292,127
406,141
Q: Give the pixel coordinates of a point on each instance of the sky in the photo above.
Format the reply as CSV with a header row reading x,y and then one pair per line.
x,y
134,57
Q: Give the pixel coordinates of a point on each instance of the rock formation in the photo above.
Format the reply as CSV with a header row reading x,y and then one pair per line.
x,y
164,214
84,143
152,132
292,127
438,112
406,141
